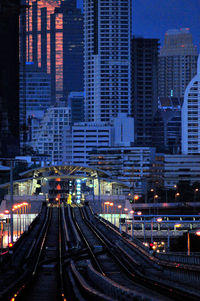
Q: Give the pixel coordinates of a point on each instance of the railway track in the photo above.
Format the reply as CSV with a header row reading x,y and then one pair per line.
x,y
135,265
45,280
78,256
108,265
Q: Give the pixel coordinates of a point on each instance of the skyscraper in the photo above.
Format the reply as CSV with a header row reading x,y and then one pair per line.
x,y
35,90
107,44
177,63
144,87
9,78
191,116
53,40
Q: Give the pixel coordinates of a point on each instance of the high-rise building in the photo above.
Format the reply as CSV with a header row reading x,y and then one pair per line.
x,y
34,98
177,62
9,78
53,40
144,87
191,116
36,84
107,44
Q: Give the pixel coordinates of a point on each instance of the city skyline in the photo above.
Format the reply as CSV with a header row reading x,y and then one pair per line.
x,y
175,14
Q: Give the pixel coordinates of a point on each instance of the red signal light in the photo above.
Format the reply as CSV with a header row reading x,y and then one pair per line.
x,y
10,244
151,244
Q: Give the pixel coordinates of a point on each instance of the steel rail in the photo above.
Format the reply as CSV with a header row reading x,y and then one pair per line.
x,y
179,294
87,244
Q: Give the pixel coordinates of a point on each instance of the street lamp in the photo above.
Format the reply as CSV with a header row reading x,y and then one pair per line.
x,y
120,207
195,193
132,212
154,199
197,232
111,205
106,203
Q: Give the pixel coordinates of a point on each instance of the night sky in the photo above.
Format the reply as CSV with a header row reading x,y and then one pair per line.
x,y
152,18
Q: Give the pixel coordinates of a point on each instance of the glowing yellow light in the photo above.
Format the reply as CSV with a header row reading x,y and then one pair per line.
x,y
159,219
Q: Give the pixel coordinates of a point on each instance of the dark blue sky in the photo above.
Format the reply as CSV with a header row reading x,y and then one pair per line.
x,y
152,18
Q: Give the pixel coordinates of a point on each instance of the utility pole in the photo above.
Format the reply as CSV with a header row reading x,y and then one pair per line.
x,y
11,199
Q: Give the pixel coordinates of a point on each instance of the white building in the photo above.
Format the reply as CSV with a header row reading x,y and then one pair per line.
x,y
107,78
191,116
53,136
88,136
123,130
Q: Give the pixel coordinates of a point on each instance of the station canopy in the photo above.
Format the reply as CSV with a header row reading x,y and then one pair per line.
x,y
65,172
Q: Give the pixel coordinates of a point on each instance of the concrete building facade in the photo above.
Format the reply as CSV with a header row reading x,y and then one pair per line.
x,y
53,136
107,44
181,168
88,136
130,165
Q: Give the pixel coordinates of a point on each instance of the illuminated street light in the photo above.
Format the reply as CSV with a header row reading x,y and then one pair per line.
x,y
136,197
177,194
159,219
152,190
197,232
125,209
139,213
